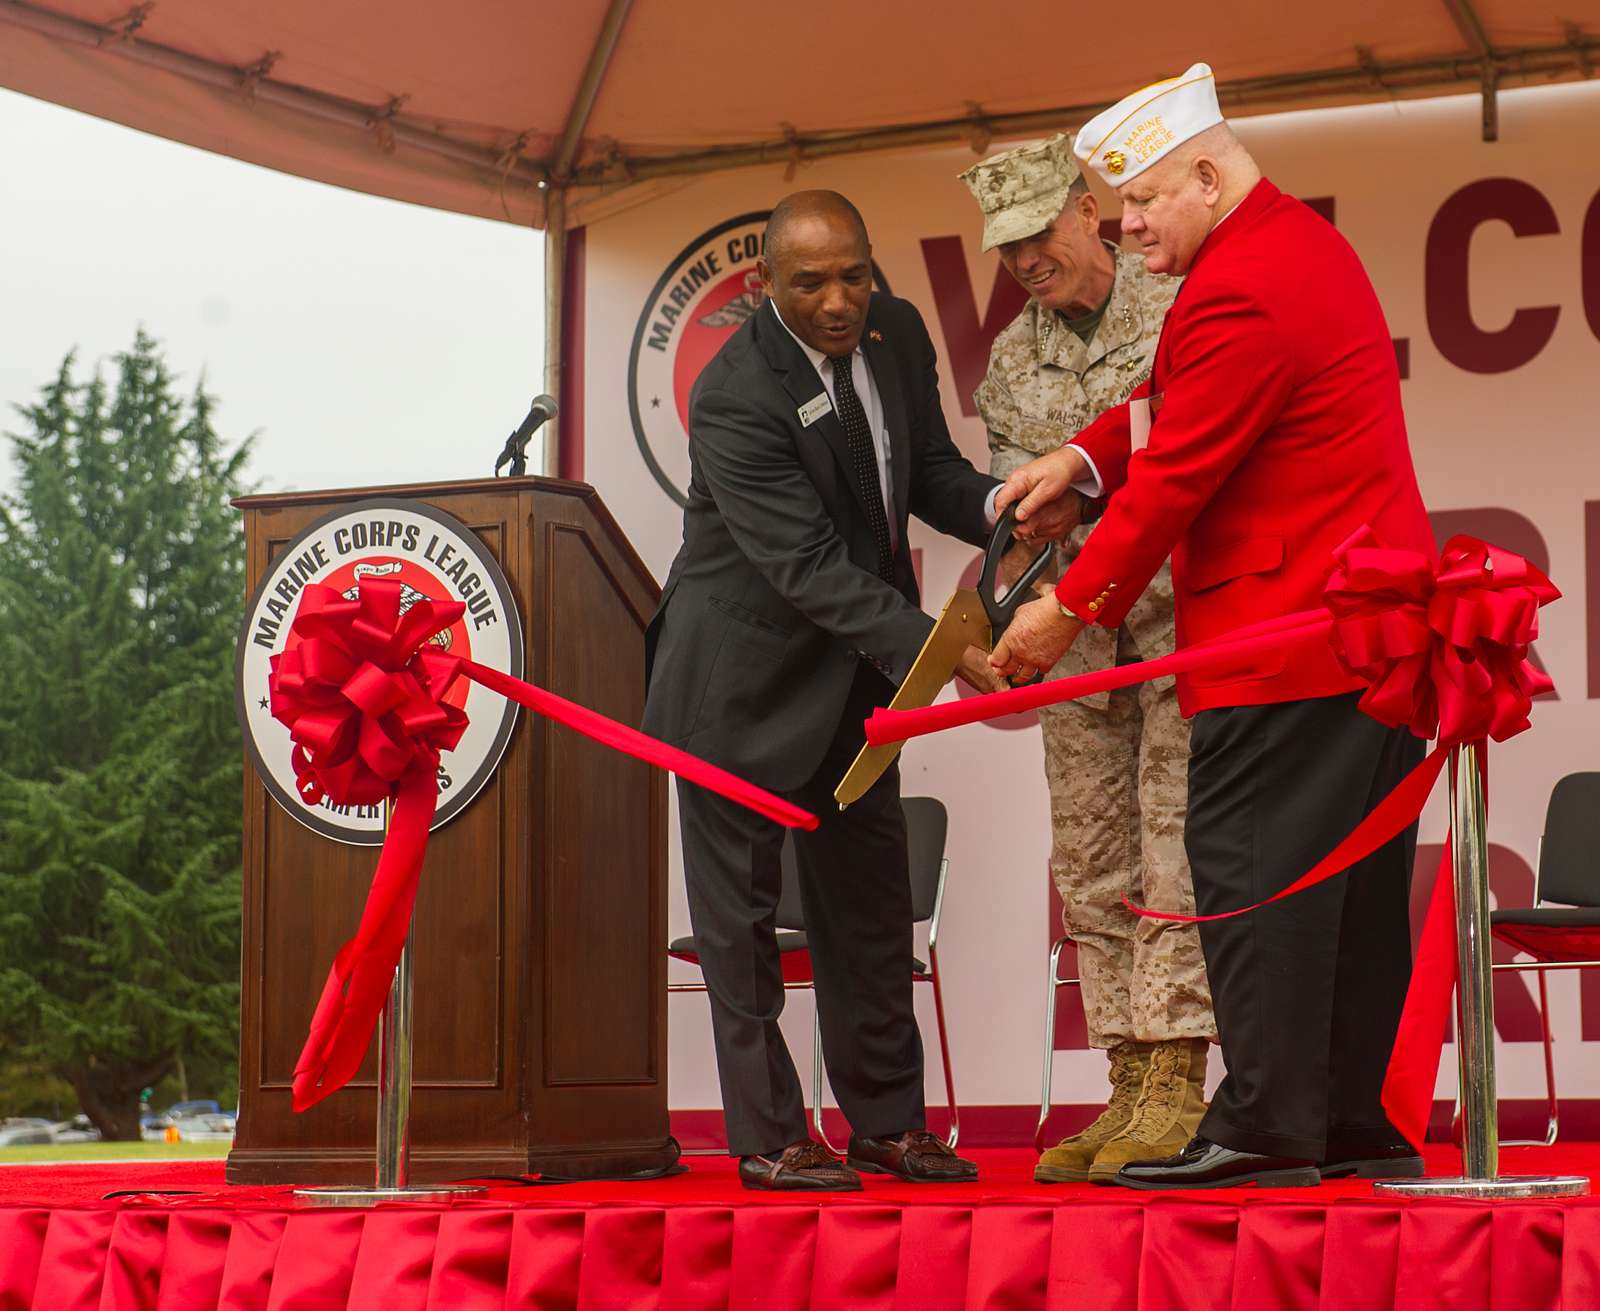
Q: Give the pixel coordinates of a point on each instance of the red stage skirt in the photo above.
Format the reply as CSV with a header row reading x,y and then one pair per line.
x,y
698,1241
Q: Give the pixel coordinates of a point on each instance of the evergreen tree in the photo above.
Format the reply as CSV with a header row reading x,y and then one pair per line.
x,y
121,586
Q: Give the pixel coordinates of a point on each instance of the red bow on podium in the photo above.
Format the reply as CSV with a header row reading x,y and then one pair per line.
x,y
363,695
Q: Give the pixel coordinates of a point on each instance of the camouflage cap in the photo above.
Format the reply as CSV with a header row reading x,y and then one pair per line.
x,y
1021,191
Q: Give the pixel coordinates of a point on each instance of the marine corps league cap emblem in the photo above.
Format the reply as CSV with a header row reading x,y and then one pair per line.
x,y
1116,161
707,293
432,556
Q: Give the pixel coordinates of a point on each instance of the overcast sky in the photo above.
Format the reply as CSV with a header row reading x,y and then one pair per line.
x,y
364,339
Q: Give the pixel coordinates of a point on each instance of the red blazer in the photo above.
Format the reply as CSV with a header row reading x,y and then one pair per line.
x,y
1278,432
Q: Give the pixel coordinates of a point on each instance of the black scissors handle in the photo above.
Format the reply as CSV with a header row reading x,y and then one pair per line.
x,y
1000,612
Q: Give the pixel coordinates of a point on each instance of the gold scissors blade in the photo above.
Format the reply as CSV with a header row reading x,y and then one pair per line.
x,y
962,623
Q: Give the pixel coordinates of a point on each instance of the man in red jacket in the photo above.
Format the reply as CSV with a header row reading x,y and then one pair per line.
x,y
1269,431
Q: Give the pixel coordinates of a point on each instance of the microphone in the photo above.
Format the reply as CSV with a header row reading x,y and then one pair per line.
x,y
515,452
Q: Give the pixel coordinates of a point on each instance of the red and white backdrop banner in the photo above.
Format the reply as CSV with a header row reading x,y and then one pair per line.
x,y
1487,259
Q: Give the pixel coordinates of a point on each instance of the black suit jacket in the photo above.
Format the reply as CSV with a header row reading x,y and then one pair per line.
x,y
774,597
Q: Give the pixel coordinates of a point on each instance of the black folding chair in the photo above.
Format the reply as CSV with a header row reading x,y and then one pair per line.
x,y
927,824
1053,985
1564,936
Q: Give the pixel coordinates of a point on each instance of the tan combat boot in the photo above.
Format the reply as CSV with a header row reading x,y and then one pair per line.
x,y
1068,1161
1171,1103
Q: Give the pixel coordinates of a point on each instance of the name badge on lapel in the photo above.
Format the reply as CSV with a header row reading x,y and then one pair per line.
x,y
814,409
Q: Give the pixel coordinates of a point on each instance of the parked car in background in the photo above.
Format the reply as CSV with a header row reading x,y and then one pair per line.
x,y
24,1131
178,1110
159,1120
201,1120
79,1129
216,1127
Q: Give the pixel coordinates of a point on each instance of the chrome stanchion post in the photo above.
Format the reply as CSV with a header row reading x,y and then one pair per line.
x,y
393,1159
1480,1116
1480,1144
394,1077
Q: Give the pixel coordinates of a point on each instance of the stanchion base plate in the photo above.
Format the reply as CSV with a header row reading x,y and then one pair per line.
x,y
373,1196
1506,1186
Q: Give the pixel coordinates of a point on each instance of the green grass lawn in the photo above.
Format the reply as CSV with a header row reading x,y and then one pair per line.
x,y
115,1152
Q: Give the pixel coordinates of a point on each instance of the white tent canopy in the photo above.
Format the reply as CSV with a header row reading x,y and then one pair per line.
x,y
550,114
480,106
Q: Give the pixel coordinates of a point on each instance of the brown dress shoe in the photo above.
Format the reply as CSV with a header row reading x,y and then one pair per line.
x,y
915,1156
805,1166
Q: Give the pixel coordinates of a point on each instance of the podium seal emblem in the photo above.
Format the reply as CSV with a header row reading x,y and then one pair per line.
x,y
432,555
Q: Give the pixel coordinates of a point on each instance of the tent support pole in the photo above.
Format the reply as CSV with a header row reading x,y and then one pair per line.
x,y
1476,36
594,74
1491,102
555,277
555,216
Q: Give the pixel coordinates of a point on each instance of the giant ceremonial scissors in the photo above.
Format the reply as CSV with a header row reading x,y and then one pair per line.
x,y
969,618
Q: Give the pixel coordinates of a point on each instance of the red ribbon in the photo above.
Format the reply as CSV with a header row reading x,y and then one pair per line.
x,y
1444,652
363,696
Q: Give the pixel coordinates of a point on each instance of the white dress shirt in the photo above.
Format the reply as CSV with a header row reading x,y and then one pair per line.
x,y
866,387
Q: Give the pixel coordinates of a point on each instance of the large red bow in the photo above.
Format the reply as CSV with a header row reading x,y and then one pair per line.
x,y
363,695
363,702
1444,651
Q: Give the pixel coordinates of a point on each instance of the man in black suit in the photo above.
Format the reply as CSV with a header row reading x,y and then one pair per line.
x,y
791,613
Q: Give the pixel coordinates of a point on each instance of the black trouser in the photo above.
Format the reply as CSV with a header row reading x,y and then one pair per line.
x,y
855,895
1307,992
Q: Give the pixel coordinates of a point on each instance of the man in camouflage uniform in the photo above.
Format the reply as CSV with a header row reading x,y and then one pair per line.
x,y
1117,763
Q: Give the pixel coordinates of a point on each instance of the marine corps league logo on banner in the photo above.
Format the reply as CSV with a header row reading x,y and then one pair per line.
x,y
431,555
705,295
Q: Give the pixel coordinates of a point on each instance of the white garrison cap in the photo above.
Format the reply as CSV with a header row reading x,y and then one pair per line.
x,y
1140,129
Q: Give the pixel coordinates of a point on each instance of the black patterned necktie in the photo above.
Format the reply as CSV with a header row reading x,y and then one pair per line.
x,y
864,460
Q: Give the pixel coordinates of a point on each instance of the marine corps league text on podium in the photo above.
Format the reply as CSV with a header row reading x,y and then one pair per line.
x,y
540,978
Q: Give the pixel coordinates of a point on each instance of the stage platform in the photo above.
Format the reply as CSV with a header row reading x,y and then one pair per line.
x,y
181,1240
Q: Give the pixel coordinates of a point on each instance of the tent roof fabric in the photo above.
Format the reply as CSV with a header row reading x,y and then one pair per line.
x,y
465,107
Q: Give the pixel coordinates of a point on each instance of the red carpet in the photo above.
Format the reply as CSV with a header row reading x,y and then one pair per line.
x,y
699,1241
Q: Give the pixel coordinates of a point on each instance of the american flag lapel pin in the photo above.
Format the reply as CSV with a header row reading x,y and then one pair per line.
x,y
874,334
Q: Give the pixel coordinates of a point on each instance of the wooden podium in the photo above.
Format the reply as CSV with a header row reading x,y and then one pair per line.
x,y
540,974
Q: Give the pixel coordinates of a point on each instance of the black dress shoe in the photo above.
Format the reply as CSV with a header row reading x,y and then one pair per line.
x,y
915,1156
804,1166
1205,1164
1347,1159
